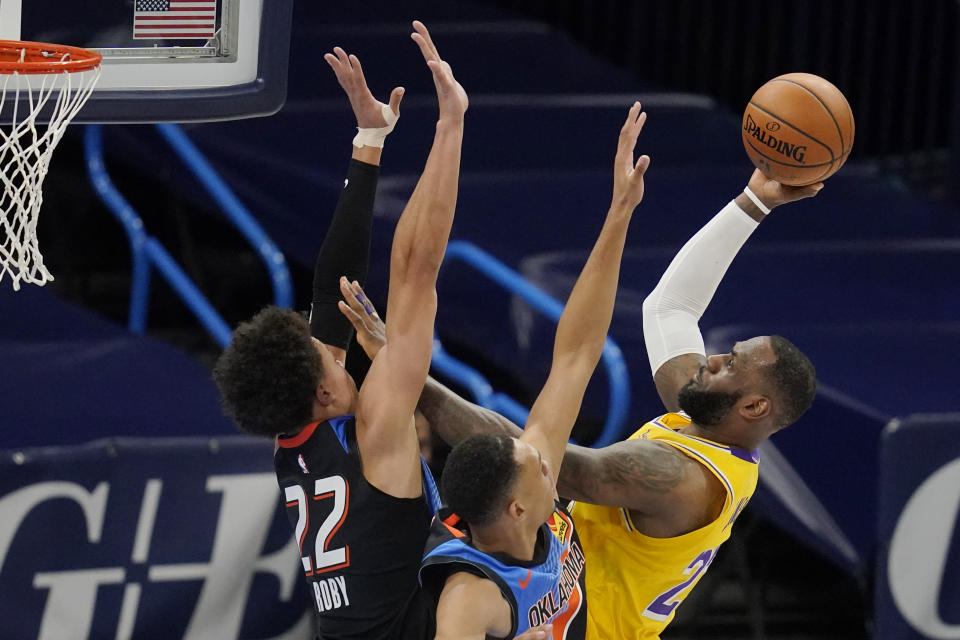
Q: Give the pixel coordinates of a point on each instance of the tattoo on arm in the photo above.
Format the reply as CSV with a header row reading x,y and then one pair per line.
x,y
653,470
578,478
621,475
455,419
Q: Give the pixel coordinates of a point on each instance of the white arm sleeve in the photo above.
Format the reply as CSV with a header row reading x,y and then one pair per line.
x,y
673,309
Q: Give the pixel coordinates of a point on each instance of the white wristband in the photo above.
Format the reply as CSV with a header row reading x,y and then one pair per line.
x,y
374,136
750,194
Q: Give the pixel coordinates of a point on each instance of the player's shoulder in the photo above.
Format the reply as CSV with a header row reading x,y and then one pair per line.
x,y
662,425
319,436
462,580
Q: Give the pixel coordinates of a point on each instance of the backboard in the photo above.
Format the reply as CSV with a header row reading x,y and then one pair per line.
x,y
168,60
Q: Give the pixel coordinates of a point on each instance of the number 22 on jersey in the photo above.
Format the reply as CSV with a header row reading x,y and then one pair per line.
x,y
664,604
323,559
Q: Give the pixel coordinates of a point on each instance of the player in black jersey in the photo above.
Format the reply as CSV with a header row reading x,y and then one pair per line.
x,y
347,460
504,557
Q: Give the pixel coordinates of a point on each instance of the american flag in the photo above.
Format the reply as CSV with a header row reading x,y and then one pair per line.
x,y
174,19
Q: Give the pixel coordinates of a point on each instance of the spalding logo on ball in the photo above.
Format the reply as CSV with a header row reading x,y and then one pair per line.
x,y
798,129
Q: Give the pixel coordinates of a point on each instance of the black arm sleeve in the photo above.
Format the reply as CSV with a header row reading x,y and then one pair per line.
x,y
345,252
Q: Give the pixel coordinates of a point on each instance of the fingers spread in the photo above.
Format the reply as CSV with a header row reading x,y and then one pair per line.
x,y
356,299
349,295
631,116
356,67
424,49
355,319
628,140
421,29
362,298
635,121
641,119
628,133
635,129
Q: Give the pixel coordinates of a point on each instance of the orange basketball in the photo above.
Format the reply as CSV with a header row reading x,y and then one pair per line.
x,y
798,129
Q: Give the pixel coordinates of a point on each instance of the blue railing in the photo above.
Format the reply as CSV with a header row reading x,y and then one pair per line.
x,y
483,394
147,253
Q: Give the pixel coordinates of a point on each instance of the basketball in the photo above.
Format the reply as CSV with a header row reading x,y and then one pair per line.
x,y
798,129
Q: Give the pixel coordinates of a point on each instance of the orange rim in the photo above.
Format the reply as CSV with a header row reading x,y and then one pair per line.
x,y
43,57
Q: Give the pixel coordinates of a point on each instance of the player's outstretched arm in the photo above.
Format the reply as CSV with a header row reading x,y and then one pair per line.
x,y
638,474
450,416
672,311
583,325
346,245
385,430
641,475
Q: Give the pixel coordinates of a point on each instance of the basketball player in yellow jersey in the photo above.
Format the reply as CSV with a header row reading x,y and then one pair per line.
x,y
674,488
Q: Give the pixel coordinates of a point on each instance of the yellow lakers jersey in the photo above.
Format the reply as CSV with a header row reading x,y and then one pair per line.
x,y
635,582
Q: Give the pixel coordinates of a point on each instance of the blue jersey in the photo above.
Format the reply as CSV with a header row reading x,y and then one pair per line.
x,y
548,588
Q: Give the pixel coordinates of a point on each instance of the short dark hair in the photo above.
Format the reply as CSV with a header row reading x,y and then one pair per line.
x,y
793,378
478,477
269,373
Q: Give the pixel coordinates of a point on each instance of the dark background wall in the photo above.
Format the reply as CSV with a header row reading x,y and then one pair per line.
x,y
895,60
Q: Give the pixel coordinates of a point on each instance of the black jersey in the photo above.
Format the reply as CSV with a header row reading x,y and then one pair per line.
x,y
549,588
360,548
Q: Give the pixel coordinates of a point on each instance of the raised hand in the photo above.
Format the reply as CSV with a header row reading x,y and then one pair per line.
x,y
453,99
356,306
773,194
627,174
367,109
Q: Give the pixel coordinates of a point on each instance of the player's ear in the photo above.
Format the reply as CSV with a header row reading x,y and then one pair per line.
x,y
516,510
754,406
322,396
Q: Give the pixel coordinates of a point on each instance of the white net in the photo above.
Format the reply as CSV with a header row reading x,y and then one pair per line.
x,y
26,147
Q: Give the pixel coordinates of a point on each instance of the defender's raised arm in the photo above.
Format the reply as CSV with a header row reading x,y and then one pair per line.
x,y
389,394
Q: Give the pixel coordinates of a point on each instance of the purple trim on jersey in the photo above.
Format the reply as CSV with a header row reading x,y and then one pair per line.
x,y
748,456
736,452
337,424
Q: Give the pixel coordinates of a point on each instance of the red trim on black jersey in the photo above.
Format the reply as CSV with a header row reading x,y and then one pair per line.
x,y
450,523
343,516
297,440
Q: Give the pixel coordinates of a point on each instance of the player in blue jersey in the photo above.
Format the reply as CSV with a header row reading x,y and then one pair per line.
x,y
504,556
347,460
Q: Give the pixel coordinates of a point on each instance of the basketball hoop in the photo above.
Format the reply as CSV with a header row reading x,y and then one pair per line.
x,y
46,85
